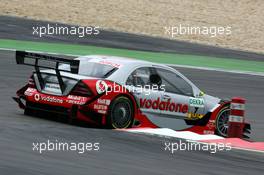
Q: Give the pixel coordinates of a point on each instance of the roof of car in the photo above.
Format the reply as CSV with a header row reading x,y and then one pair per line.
x,y
125,65
116,60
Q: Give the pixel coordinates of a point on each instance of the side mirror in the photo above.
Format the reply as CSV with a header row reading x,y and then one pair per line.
x,y
155,79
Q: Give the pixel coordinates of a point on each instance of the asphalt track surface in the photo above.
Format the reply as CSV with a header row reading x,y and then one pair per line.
x,y
120,152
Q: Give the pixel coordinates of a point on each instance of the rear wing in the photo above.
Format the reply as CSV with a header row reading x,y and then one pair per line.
x,y
21,55
35,60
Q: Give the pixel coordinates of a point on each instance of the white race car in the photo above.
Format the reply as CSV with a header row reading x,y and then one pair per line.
x,y
118,92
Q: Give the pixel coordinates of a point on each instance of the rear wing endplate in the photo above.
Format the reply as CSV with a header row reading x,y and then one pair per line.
x,y
74,65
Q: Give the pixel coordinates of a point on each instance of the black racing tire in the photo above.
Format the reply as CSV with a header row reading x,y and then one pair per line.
x,y
221,122
120,113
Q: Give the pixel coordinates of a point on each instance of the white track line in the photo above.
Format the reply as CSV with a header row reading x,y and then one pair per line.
x,y
168,133
188,135
176,65
219,70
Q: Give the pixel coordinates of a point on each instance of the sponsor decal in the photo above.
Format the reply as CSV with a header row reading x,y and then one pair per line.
x,y
101,86
234,118
29,92
163,105
100,108
191,115
101,111
211,124
52,99
103,101
73,97
110,63
196,102
76,100
38,97
208,132
52,86
102,105
237,106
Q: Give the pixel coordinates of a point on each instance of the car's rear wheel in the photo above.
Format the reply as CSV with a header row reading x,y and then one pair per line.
x,y
121,113
221,122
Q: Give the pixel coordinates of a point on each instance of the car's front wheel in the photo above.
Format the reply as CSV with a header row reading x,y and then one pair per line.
x,y
121,113
221,122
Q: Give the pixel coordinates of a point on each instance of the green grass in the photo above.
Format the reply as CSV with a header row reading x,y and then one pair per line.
x,y
189,60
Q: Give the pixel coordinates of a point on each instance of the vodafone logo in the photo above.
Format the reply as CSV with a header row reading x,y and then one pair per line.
x,y
163,105
101,86
51,99
37,97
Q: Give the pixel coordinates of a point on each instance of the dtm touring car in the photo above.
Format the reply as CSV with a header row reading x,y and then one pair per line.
x,y
117,92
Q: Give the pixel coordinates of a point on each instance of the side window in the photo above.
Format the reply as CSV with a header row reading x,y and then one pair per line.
x,y
140,77
173,83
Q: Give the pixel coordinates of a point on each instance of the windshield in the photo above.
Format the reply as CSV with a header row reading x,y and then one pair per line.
x,y
93,69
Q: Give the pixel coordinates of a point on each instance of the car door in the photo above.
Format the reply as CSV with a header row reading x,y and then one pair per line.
x,y
139,84
177,94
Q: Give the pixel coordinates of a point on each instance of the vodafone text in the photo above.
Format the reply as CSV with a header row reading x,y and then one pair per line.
x,y
163,105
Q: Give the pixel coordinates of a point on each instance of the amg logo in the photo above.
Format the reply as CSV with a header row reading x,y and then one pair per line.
x,y
164,105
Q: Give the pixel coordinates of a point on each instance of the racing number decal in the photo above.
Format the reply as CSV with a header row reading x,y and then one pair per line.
x,y
195,103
